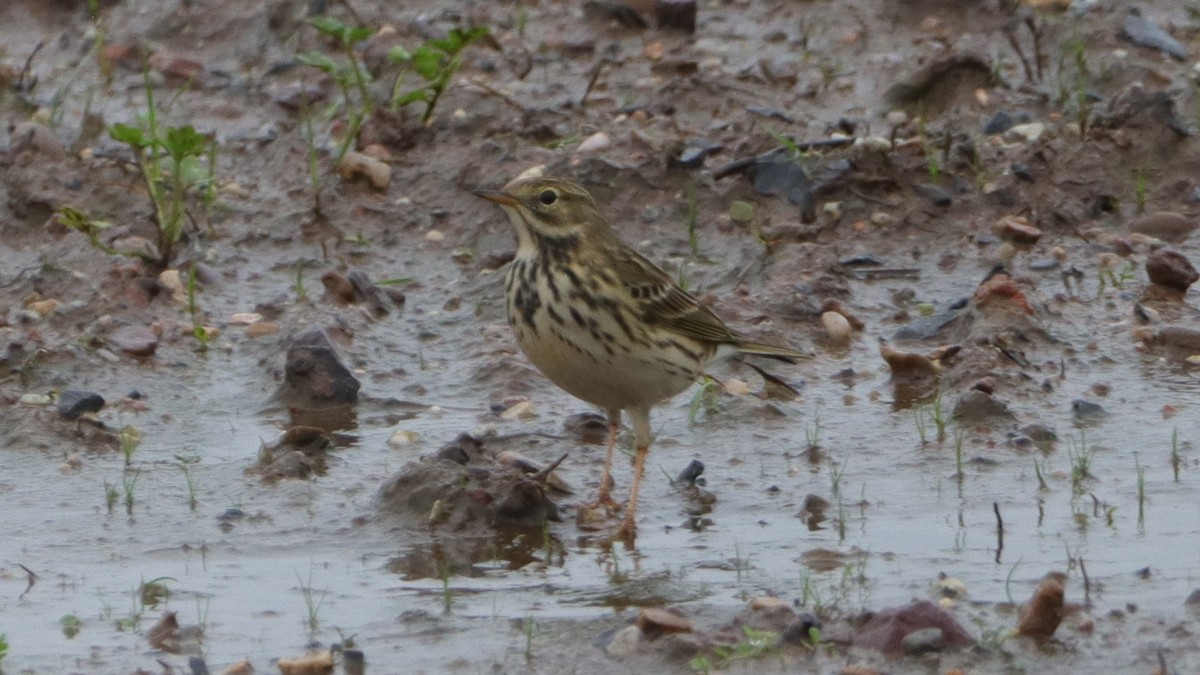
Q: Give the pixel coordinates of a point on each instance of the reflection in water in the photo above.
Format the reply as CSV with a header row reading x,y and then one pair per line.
x,y
509,548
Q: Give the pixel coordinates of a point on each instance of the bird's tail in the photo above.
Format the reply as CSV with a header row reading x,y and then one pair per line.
x,y
781,353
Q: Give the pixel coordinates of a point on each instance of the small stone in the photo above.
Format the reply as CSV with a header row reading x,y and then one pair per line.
x,y
378,173
1165,225
923,641
896,118
403,437
522,410
741,212
736,386
653,621
176,66
1193,600
134,340
43,307
35,399
1016,229
262,329
985,384
73,402
1042,616
1171,270
937,195
976,406
624,642
35,138
314,376
173,282
832,210
1085,409
764,602
244,318
837,327
594,143
1028,132
999,123
435,236
338,287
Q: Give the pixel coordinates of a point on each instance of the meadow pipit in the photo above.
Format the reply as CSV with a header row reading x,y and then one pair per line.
x,y
601,321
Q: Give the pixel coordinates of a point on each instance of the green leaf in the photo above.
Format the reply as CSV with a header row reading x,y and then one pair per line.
x,y
399,54
412,97
329,26
427,63
357,35
318,60
185,141
131,136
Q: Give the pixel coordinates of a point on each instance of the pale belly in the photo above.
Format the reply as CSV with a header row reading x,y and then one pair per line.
x,y
616,365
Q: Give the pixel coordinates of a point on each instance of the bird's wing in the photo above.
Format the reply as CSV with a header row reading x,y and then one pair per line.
x,y
665,304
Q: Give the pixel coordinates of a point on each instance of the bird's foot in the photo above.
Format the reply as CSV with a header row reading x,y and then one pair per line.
x,y
603,501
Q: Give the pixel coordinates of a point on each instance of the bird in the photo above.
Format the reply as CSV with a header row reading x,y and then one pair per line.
x,y
601,321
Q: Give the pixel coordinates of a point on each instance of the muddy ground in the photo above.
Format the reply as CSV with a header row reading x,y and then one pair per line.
x,y
806,168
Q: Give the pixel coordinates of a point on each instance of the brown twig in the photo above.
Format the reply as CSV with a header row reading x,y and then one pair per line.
x,y
999,530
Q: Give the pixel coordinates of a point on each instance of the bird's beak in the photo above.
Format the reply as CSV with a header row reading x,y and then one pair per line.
x,y
501,198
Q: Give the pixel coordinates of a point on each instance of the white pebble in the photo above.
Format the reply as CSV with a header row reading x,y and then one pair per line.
x,y
35,399
594,143
403,437
1030,131
245,318
837,327
523,410
897,117
435,236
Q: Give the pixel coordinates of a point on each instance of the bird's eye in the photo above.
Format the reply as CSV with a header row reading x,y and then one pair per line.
x,y
548,197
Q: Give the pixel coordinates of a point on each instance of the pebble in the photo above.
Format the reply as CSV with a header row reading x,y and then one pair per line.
x,y
624,642
522,410
976,405
403,437
653,621
262,329
937,195
35,399
896,118
134,340
435,236
1016,229
1164,225
594,143
245,318
377,172
923,641
1085,409
1042,616
837,327
43,307
171,280
74,402
1029,132
1171,269
36,138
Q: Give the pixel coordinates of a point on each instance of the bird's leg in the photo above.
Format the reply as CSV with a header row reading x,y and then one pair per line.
x,y
603,496
641,434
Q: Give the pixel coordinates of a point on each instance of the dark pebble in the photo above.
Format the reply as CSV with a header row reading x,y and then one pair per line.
x,y
197,666
1085,409
923,641
691,472
1193,599
1171,269
232,514
936,195
72,403
1000,123
866,260
1022,171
